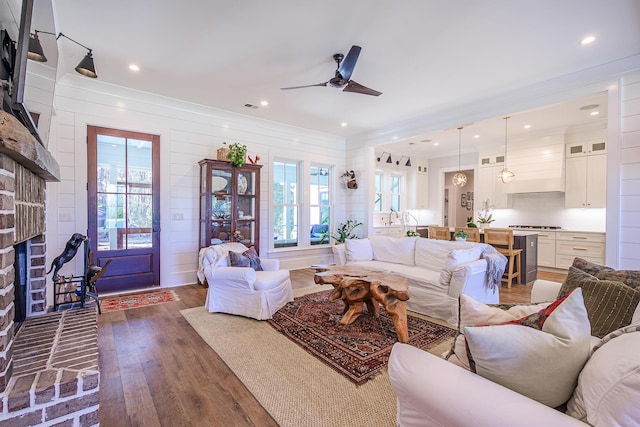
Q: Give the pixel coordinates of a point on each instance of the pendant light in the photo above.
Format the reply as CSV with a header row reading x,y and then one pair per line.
x,y
505,175
459,179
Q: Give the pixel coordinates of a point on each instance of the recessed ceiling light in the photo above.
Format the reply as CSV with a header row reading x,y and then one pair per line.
x,y
134,67
343,124
527,126
264,103
435,144
594,113
589,107
425,140
394,138
587,40
476,136
411,143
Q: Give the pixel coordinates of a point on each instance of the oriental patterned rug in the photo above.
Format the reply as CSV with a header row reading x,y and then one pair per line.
x,y
126,302
358,351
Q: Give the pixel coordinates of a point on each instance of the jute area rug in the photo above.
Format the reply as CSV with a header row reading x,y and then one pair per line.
x,y
294,387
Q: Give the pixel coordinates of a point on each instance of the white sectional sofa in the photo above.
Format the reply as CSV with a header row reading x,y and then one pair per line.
x,y
438,271
434,392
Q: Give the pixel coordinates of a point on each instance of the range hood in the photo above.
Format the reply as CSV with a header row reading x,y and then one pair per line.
x,y
538,165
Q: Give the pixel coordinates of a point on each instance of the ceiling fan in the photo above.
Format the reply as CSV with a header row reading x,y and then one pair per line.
x,y
342,78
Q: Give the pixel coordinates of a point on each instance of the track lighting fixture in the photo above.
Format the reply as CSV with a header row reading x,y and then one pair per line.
x,y
86,67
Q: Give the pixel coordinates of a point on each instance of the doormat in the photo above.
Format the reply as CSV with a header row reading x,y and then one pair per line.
x,y
126,302
358,351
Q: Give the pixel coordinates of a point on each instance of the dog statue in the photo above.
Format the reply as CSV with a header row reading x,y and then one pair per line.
x,y
70,250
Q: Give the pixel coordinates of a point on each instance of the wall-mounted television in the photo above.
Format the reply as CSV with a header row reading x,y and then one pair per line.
x,y
16,18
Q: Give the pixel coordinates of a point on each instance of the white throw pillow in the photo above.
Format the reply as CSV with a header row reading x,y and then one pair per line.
x,y
541,364
608,389
432,254
474,313
399,250
458,257
358,250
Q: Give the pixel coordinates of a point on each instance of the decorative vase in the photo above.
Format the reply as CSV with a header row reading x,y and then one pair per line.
x,y
461,239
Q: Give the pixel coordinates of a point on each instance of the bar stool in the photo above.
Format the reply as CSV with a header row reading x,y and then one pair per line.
x,y
474,233
502,240
439,233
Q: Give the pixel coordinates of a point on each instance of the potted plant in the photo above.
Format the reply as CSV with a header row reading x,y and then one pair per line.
x,y
485,220
470,223
345,230
412,233
461,235
237,154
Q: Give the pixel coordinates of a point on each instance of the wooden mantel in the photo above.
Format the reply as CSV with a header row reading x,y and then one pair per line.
x,y
18,143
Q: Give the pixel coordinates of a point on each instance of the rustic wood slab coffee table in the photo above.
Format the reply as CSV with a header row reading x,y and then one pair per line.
x,y
356,286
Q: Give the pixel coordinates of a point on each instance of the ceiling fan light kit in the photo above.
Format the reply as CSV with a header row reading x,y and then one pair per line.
x,y
342,78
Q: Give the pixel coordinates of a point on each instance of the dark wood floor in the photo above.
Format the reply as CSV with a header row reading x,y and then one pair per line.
x,y
155,370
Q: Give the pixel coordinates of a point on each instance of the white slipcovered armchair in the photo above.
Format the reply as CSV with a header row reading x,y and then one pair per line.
x,y
242,290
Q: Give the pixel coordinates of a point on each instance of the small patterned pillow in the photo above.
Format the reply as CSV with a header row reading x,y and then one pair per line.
x,y
630,278
589,267
248,258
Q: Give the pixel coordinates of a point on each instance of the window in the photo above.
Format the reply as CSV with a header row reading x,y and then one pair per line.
x,y
377,204
285,204
319,205
388,191
394,202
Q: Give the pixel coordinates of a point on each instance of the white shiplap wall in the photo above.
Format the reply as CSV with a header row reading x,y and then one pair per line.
x,y
629,247
188,133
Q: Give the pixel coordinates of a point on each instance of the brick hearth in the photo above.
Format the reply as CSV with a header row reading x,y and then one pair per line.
x,y
55,375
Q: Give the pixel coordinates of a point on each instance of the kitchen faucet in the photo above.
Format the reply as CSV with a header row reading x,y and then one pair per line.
x,y
391,213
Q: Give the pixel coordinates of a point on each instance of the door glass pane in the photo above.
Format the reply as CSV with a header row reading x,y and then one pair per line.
x,y
125,200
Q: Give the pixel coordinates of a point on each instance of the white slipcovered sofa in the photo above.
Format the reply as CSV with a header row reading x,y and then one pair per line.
x,y
242,290
607,391
437,271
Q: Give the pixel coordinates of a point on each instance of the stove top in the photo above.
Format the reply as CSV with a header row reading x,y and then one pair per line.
x,y
537,227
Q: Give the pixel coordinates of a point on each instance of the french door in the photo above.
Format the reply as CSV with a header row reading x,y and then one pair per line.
x,y
124,207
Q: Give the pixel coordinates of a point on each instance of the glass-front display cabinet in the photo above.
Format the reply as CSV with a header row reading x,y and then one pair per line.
x,y
229,203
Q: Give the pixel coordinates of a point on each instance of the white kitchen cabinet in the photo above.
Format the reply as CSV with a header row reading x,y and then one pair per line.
x,y
546,248
589,246
586,175
421,193
489,186
392,231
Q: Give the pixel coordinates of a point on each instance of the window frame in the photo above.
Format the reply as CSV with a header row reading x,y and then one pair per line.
x,y
297,206
329,205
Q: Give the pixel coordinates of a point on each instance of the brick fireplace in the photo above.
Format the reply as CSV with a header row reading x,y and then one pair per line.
x,y
49,369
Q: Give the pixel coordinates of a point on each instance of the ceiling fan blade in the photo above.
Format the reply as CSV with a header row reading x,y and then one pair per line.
x,y
358,88
300,87
349,62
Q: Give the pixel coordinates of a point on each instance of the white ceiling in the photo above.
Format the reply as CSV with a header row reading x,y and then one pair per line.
x,y
423,55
